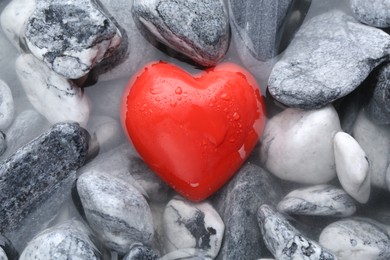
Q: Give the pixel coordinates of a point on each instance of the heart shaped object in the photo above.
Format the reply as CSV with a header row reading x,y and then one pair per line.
x,y
193,132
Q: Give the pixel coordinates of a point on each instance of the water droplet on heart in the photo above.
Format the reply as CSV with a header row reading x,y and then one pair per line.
x,y
173,103
194,185
236,116
232,139
179,91
179,98
143,107
156,90
225,96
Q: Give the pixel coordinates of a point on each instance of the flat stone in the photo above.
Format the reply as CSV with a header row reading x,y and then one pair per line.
x,y
319,200
356,239
7,109
374,12
117,213
52,95
237,203
198,29
352,167
69,240
375,142
297,145
70,37
140,252
328,58
284,241
192,225
34,172
378,108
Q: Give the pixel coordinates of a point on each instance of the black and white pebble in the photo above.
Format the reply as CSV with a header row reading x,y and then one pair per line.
x,y
117,212
7,109
69,240
328,58
198,29
237,203
319,200
284,241
356,239
141,252
374,12
71,37
189,225
378,108
34,172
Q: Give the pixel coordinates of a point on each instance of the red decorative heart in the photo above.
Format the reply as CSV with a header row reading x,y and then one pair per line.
x,y
194,132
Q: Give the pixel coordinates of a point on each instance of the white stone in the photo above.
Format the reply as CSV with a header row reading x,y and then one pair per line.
x,y
7,108
52,95
297,145
375,141
352,167
192,226
13,19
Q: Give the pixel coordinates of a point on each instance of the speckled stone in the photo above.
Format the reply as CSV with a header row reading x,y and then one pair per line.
x,y
33,172
7,109
141,252
319,200
328,58
198,29
69,240
117,213
284,241
237,203
373,12
71,37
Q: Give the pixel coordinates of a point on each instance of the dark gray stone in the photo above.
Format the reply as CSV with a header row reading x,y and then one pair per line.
x,y
379,106
237,203
7,251
69,240
284,241
3,143
374,12
34,172
71,37
118,214
329,57
198,29
140,252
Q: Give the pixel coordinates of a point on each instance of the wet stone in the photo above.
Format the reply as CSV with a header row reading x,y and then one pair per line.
x,y
118,213
284,241
71,37
33,173
192,225
70,240
237,203
356,238
328,58
6,106
140,252
374,12
319,200
52,95
198,29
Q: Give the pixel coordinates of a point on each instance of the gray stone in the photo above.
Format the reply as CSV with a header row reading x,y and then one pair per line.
x,y
356,239
69,240
237,203
140,252
118,214
3,255
319,200
374,12
3,143
284,241
198,29
71,37
6,106
379,106
7,251
195,226
26,126
329,57
34,172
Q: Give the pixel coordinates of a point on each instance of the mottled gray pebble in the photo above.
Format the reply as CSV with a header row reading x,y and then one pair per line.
x,y
198,29
284,241
373,12
319,200
141,252
70,240
117,213
71,37
6,106
237,203
329,57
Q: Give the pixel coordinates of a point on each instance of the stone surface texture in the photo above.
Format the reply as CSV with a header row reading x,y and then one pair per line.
x,y
7,108
373,12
